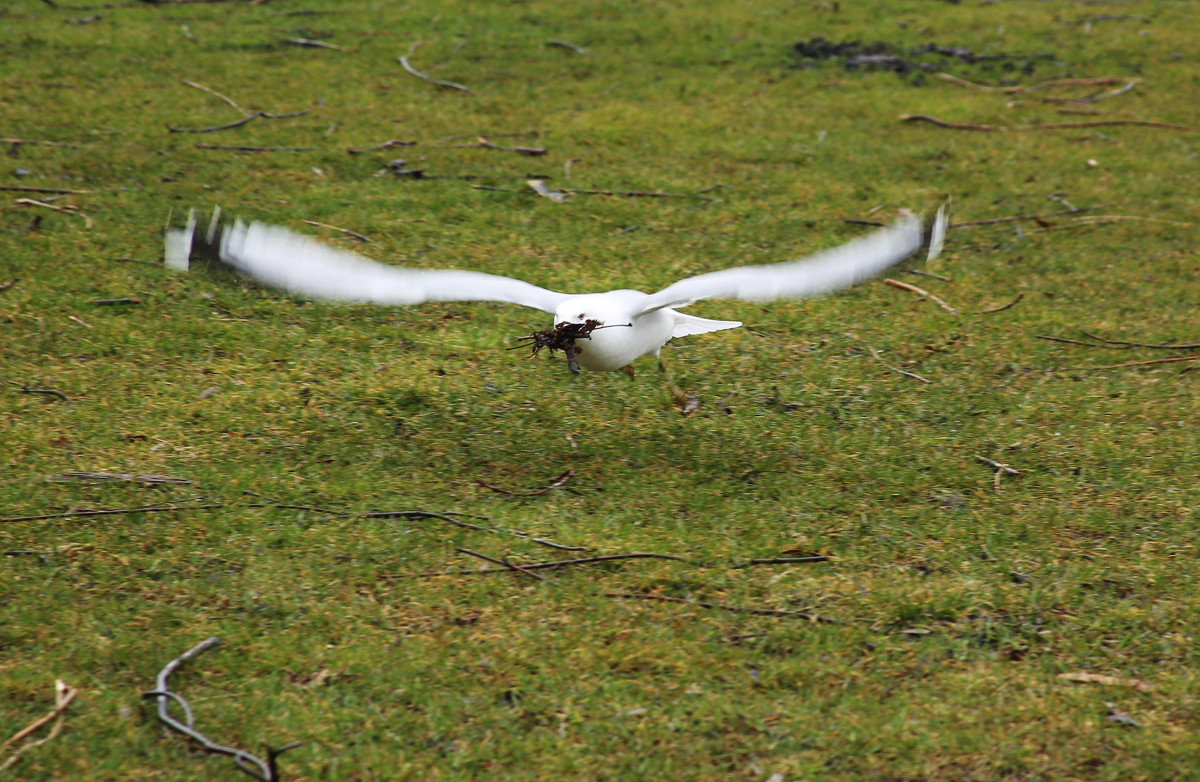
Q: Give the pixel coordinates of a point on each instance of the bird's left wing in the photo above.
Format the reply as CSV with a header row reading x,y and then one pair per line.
x,y
303,266
821,273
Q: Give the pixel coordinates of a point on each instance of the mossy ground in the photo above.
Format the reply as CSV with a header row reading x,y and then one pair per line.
x,y
955,605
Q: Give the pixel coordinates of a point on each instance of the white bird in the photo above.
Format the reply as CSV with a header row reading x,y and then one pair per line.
x,y
618,326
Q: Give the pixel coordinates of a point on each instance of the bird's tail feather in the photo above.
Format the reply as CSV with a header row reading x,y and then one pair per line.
x,y
686,325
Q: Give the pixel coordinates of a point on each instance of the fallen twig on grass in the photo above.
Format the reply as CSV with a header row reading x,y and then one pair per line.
x,y
120,476
54,392
719,606
1004,307
248,116
510,566
408,67
568,45
70,209
63,695
5,286
38,142
638,194
1048,126
1000,468
1160,346
421,514
483,143
47,190
265,770
1117,344
921,292
1021,88
1098,97
347,231
1036,217
252,148
783,560
558,482
555,564
1073,341
83,513
923,273
390,143
311,44
564,563
1121,218
1126,364
906,373
122,300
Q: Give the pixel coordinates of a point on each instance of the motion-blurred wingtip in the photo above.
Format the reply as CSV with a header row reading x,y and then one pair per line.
x,y
177,244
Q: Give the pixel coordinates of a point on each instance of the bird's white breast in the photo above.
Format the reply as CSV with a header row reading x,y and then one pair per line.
x,y
625,336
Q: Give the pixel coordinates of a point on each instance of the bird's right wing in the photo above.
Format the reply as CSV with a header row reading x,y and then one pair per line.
x,y
302,266
820,273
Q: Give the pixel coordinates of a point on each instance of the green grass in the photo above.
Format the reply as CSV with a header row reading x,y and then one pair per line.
x,y
955,605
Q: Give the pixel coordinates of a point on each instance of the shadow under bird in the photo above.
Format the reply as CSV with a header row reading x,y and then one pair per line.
x,y
616,327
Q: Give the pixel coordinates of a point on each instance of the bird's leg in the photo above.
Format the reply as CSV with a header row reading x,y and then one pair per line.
x,y
628,370
572,361
686,402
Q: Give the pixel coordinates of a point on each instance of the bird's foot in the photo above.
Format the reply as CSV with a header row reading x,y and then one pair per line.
x,y
628,370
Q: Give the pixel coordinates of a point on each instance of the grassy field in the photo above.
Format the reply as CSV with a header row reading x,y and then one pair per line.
x,y
962,625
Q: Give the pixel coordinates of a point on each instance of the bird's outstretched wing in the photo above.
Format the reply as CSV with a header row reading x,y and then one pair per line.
x,y
821,273
303,266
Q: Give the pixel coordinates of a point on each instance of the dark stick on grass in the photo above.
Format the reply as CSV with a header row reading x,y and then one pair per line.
x,y
1161,346
1048,126
157,480
558,482
214,128
248,116
1075,342
562,563
924,273
1127,364
1008,306
46,391
250,148
122,300
389,144
10,283
408,67
637,194
48,190
483,143
253,765
783,560
75,514
449,518
510,566
719,606
1015,218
